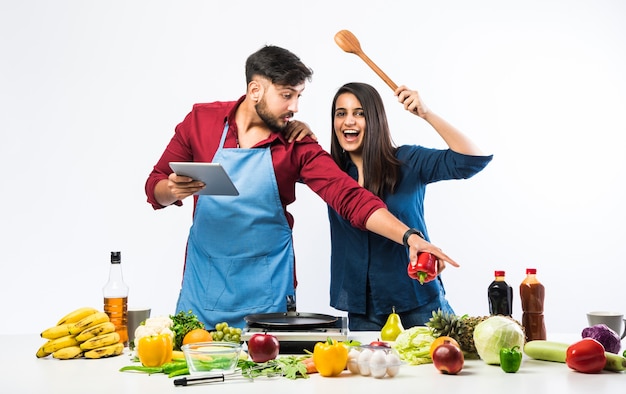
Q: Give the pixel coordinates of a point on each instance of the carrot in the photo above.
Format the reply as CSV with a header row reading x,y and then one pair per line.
x,y
310,365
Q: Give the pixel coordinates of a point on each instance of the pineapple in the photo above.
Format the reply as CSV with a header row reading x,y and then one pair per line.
x,y
460,328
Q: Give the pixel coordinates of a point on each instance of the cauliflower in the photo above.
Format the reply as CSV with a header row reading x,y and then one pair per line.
x,y
154,326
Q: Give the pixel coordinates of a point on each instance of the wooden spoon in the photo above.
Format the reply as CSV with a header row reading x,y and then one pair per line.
x,y
349,43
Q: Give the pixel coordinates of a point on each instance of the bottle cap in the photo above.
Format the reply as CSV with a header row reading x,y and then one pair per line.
x,y
531,271
116,257
499,273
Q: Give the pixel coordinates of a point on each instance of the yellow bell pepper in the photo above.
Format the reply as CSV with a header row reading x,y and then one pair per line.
x,y
330,357
155,350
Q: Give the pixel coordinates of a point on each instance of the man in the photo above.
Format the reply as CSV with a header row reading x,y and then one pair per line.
x,y
239,257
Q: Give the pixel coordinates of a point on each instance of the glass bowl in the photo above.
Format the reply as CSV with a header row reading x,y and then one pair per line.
x,y
211,357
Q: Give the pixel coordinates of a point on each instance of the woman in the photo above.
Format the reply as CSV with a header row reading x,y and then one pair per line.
x,y
362,146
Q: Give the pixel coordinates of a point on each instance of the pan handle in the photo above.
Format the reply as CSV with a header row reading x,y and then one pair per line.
x,y
291,303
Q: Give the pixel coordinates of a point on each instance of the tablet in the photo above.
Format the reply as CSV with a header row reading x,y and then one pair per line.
x,y
217,181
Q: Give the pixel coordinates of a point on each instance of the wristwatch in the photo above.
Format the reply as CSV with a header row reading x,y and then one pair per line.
x,y
409,232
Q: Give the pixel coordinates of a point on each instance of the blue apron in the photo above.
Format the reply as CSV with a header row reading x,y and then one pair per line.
x,y
240,258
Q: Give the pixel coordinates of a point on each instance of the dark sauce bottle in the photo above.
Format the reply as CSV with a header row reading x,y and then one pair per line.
x,y
500,296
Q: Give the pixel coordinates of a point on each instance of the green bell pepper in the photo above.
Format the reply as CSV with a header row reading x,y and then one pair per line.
x,y
510,359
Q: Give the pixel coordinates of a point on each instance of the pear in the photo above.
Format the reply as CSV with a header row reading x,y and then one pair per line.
x,y
392,328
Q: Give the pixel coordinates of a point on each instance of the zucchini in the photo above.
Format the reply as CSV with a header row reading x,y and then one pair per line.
x,y
546,350
614,362
557,351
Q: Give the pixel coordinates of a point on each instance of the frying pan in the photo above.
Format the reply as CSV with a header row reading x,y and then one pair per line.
x,y
290,320
349,43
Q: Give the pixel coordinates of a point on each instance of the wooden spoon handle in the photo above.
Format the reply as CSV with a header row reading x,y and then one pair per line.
x,y
349,43
378,71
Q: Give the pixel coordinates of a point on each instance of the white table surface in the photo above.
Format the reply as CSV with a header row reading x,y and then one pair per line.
x,y
22,372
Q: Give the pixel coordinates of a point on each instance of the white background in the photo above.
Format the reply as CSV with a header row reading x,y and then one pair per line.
x,y
90,93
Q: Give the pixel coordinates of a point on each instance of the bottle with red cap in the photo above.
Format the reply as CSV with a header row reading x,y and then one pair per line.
x,y
500,296
532,294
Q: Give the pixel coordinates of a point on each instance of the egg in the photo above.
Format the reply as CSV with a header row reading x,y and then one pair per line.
x,y
353,361
378,364
393,364
364,362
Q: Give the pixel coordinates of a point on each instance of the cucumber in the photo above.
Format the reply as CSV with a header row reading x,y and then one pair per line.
x,y
557,351
546,350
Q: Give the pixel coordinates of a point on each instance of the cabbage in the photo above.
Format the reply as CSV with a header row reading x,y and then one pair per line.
x,y
413,345
605,335
493,334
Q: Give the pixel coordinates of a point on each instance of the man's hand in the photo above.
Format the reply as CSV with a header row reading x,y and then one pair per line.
x,y
183,186
296,131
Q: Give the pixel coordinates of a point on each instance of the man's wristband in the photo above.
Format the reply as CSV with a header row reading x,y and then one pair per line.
x,y
409,232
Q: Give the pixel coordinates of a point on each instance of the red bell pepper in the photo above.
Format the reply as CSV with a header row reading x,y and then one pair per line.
x,y
425,269
586,355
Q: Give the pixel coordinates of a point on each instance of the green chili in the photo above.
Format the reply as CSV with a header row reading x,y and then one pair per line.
x,y
178,372
173,366
140,368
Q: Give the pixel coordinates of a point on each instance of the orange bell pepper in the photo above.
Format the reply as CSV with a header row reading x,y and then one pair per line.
x,y
330,357
155,350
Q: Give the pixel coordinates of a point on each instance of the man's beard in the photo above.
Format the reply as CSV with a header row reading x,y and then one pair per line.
x,y
270,120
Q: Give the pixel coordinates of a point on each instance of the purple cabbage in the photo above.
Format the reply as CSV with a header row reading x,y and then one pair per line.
x,y
605,335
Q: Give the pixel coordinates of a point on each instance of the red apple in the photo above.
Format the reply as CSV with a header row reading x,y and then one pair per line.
x,y
378,343
448,359
263,347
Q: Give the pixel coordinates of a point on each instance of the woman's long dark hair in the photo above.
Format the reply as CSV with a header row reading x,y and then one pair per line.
x,y
381,168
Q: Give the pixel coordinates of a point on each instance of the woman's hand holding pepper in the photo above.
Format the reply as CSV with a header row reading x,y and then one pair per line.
x,y
418,245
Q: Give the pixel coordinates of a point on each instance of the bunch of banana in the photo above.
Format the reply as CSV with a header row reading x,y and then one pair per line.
x,y
84,332
106,351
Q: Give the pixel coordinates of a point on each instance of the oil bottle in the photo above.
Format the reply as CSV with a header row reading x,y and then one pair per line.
x,y
115,293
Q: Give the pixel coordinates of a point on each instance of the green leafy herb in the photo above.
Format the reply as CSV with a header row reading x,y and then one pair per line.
x,y
183,323
290,367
